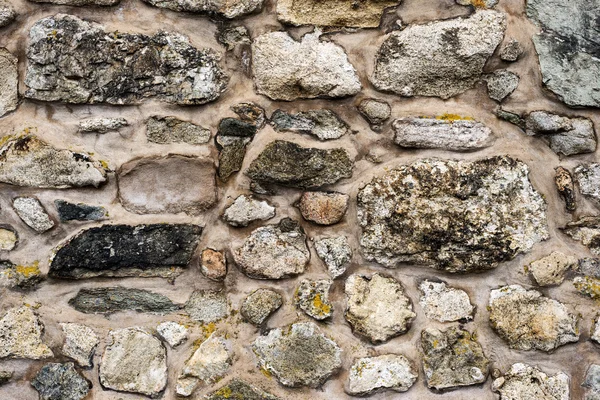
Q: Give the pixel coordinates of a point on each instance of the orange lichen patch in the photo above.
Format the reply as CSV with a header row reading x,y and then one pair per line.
x,y
453,117
323,308
478,3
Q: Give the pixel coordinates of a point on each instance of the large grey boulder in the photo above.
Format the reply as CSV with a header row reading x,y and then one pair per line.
x,y
9,79
227,9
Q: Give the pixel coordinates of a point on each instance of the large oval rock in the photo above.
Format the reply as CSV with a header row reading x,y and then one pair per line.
x,y
227,9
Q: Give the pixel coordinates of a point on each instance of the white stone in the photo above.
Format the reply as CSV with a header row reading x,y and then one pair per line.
x,y
445,304
31,211
172,332
80,343
372,374
21,335
246,209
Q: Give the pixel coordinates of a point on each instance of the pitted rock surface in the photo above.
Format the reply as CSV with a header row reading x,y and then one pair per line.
x,y
227,9
312,297
443,303
260,304
238,389
31,211
375,374
587,231
207,306
7,15
567,136
107,300
102,125
80,343
21,335
523,381
165,130
60,381
324,124
336,253
246,210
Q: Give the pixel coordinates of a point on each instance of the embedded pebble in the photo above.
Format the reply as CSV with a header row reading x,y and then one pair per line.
x,y
169,129
323,208
324,124
246,209
213,264
60,381
523,381
566,136
511,50
172,332
312,297
102,125
376,112
79,212
8,238
550,270
501,84
566,189
207,306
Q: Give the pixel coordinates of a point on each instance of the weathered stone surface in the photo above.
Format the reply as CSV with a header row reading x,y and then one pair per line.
x,y
299,355
376,112
165,130
19,276
259,305
324,123
64,53
238,389
127,250
377,307
8,238
595,337
172,333
529,321
246,209
251,113
101,125
523,381
445,304
236,127
566,136
566,189
441,58
60,382
550,270
134,361
335,253
274,251
501,84
587,231
9,77
592,382
458,216
7,15
31,211
21,335
512,117
312,297
234,36
441,133
5,376
452,358
227,9
80,3
568,48
375,374
79,212
29,161
589,267
588,180
80,343
213,264
107,300
285,69
207,306
323,208
232,151
511,50
588,284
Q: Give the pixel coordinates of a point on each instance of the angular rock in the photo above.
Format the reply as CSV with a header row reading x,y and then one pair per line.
x,y
102,125
9,77
336,253
165,130
21,335
227,9
445,304
274,251
587,231
172,333
457,216
312,297
108,300
550,270
441,133
207,306
592,382
126,250
511,51
587,286
60,382
259,305
589,267
7,15
512,117
370,375
566,189
80,343
238,389
64,54
251,113
21,276
588,181
452,358
324,123
232,151
213,264
285,69
29,161
79,212
377,307
529,321
441,58
232,37
246,209
80,3
566,136
523,381
236,127
376,112
501,84
299,355
8,238
323,208
31,211
134,361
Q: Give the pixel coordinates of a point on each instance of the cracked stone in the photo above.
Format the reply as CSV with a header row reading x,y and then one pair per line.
x,y
79,212
336,253
166,130
108,300
312,297
324,124
371,375
9,77
550,270
246,209
501,84
102,125
207,306
445,304
213,264
565,136
260,304
172,333
228,9
60,382
523,381
31,211
21,335
323,208
566,189
80,343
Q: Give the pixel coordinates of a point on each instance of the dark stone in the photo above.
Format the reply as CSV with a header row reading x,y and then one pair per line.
x,y
60,382
114,299
79,212
589,267
232,151
511,117
127,250
240,390
236,127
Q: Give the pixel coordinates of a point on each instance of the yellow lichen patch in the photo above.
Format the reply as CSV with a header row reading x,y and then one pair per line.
x,y
320,306
478,3
28,270
224,392
588,286
453,117
265,372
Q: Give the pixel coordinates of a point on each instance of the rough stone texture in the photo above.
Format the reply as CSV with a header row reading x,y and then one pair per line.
x,y
588,180
134,361
376,112
108,300
336,253
246,210
259,305
21,335
324,124
126,250
375,374
566,136
9,78
299,355
227,9
80,343
31,211
19,276
523,381
101,125
7,15
312,297
417,213
587,231
452,358
238,389
172,333
8,238
323,208
564,184
441,133
164,130
80,3
377,307
251,113
511,50
501,84
527,320
550,270
592,382
60,382
441,58
207,306
445,304
213,264
285,69
64,51
79,212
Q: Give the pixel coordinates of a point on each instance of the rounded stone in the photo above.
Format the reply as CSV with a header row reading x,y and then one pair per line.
x,y
323,208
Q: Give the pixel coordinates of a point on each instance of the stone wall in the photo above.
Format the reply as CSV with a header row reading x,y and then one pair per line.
x,y
281,199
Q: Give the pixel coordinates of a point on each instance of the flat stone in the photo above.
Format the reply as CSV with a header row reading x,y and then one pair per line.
x,y
550,270
238,389
80,3
501,84
207,306
445,304
259,305
512,117
588,181
29,161
8,238
336,253
228,9
285,69
587,231
441,133
79,212
60,381
566,136
299,355
7,16
566,189
323,208
126,250
21,335
324,123
9,77
274,251
213,264
312,297
80,343
246,210
440,58
370,375
19,276
102,125
511,50
452,358
592,382
523,381
377,307
478,3
172,333
166,130
64,47
376,112
108,300
134,361
31,211
529,321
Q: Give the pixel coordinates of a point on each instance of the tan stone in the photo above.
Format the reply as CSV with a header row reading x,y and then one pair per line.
x,y
323,208
213,264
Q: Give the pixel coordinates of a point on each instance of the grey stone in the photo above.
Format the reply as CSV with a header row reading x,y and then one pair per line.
x,y
589,267
458,216
251,113
259,305
21,335
376,112
370,375
299,355
285,69
592,382
511,50
238,389
60,382
31,211
102,125
8,238
274,251
234,36
566,189
323,208
377,307
566,136
79,212
550,270
108,300
452,358
523,381
440,58
172,333
80,343
232,150
312,297
440,133
80,3
588,286
63,47
512,117
587,231
19,276
324,123
529,321
588,181
207,306
9,77
501,84
126,250
134,361
227,9
165,130
213,264
445,304
336,253
246,210
7,15
29,161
